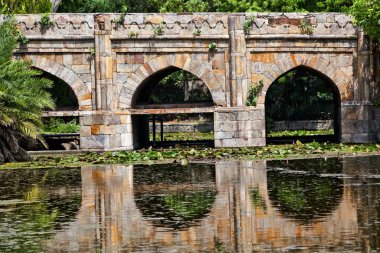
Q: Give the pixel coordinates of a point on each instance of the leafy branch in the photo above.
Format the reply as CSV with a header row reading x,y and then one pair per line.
x,y
46,20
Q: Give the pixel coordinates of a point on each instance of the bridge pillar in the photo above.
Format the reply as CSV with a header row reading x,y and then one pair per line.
x,y
106,132
360,116
239,127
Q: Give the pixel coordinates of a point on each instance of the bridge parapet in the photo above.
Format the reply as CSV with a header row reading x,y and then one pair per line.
x,y
313,24
63,26
188,25
198,25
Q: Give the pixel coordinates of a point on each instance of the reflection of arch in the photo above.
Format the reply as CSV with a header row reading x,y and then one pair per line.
x,y
328,83
69,76
326,65
305,197
173,196
203,70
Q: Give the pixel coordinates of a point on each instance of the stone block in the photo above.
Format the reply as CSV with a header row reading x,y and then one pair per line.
x,y
67,59
126,139
94,142
81,69
85,131
115,141
86,120
360,138
121,129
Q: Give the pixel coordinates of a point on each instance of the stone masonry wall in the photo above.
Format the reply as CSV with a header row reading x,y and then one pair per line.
x,y
105,62
239,127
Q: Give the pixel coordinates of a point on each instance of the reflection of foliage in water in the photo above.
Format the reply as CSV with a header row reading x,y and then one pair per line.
x,y
174,196
33,204
257,199
176,209
305,196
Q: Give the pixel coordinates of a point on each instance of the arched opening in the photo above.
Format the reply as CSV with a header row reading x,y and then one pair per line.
x,y
61,126
172,107
302,104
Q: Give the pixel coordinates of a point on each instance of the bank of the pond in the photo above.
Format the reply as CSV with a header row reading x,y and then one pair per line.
x,y
148,156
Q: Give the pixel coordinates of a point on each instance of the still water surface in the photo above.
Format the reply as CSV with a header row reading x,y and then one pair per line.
x,y
318,205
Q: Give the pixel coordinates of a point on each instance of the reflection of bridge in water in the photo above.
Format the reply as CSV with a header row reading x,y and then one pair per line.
x,y
110,220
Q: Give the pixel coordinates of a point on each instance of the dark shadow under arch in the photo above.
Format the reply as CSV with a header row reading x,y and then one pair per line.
x,y
157,81
303,94
62,94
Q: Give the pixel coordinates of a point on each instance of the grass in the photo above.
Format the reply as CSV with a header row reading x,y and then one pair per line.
x,y
59,126
286,133
149,156
184,136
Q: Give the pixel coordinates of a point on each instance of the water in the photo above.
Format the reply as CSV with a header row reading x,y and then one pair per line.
x,y
319,205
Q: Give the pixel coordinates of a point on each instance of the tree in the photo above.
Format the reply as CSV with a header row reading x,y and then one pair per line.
x,y
25,6
204,5
367,16
22,98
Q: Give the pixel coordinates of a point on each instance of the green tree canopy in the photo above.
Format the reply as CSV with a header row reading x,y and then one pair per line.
x,y
204,5
22,98
25,6
367,15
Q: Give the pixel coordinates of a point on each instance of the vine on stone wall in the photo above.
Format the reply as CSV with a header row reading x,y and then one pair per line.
x,y
253,93
248,24
306,27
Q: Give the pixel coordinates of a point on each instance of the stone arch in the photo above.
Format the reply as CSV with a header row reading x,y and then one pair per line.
x,y
66,74
187,62
336,68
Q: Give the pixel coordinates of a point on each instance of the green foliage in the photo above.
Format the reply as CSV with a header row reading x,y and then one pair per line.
x,y
248,24
23,97
59,126
212,46
133,34
205,5
306,27
367,16
92,51
300,94
26,6
158,30
197,32
46,21
121,19
147,156
190,205
375,102
253,93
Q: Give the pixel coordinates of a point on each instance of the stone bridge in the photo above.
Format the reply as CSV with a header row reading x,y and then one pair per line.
x,y
106,59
